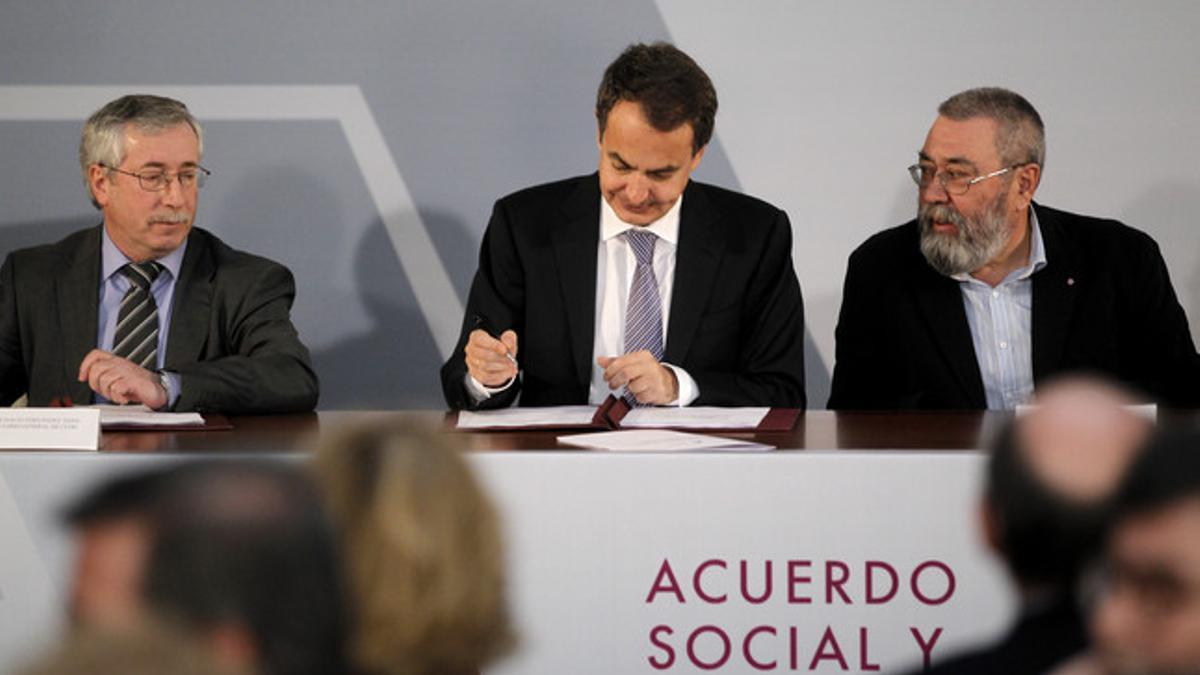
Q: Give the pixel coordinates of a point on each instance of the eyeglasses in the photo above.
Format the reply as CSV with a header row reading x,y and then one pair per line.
x,y
157,181
953,182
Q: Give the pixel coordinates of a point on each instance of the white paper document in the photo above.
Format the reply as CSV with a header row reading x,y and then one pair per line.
x,y
140,415
702,417
554,416
49,429
651,440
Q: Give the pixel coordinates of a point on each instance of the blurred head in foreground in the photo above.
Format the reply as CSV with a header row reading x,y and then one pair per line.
x,y
150,649
239,553
422,548
1147,620
1052,475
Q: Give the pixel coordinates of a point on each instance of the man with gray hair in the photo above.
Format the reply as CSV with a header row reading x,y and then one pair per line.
x,y
144,308
986,293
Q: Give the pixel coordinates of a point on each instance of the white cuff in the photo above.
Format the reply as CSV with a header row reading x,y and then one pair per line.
x,y
173,384
689,391
480,392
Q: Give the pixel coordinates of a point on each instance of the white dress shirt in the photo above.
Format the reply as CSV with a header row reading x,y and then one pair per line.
x,y
615,265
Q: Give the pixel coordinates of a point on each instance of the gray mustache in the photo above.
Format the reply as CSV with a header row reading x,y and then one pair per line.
x,y
171,217
942,214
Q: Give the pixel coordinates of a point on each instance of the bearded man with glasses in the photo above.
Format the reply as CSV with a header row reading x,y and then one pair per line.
x,y
986,293
144,308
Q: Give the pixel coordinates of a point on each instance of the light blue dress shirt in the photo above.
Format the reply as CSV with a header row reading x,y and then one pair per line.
x,y
1001,320
113,286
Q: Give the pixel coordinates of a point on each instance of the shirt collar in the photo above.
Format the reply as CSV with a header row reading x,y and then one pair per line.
x,y
666,227
1037,256
1037,247
112,260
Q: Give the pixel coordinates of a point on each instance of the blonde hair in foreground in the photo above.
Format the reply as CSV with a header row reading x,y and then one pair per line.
x,y
422,548
149,649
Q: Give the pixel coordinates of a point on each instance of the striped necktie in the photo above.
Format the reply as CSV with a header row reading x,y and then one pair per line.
x,y
643,309
136,338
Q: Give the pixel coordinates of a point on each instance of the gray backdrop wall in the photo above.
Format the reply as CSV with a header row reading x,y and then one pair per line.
x,y
363,143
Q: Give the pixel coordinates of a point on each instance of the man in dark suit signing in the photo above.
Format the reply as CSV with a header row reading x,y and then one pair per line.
x,y
635,280
986,293
144,308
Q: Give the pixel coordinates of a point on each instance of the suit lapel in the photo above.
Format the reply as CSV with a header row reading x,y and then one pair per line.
x,y
1053,296
78,290
574,243
940,303
697,259
192,302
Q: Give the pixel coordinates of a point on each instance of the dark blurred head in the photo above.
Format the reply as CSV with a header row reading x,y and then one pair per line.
x,y
240,552
1148,617
112,543
423,551
1051,477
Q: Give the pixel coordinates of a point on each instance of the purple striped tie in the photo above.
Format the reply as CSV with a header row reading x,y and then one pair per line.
x,y
643,310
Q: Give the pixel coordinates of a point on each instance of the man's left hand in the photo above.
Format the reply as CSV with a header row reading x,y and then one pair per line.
x,y
642,375
121,380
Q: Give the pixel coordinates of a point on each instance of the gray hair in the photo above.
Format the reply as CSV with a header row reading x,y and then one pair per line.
x,y
103,140
1021,137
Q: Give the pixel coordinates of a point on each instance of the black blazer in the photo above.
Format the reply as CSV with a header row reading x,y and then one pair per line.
x,y
736,321
1102,304
231,338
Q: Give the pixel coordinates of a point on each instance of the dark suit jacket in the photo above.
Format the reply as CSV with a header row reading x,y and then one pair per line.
x,y
231,338
1102,304
736,321
1040,641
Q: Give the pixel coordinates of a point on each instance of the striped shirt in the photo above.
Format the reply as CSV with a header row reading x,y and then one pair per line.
x,y
1001,319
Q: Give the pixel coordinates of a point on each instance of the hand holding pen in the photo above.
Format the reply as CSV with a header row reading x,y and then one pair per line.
x,y
491,359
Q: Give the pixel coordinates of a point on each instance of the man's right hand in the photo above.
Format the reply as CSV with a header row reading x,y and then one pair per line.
x,y
490,361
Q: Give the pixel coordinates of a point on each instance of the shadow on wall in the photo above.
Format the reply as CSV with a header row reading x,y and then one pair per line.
x,y
458,247
816,372
1170,209
395,363
902,209
353,298
24,235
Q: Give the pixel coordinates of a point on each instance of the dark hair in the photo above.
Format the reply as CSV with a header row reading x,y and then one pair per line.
x,y
126,495
669,86
238,542
1044,537
1021,137
1167,471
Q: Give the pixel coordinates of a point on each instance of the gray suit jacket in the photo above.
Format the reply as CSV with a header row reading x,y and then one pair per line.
x,y
231,338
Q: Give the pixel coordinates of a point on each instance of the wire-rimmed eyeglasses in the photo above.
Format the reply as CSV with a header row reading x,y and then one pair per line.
x,y
953,182
157,181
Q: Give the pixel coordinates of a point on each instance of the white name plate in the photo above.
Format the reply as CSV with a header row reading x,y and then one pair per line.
x,y
49,429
